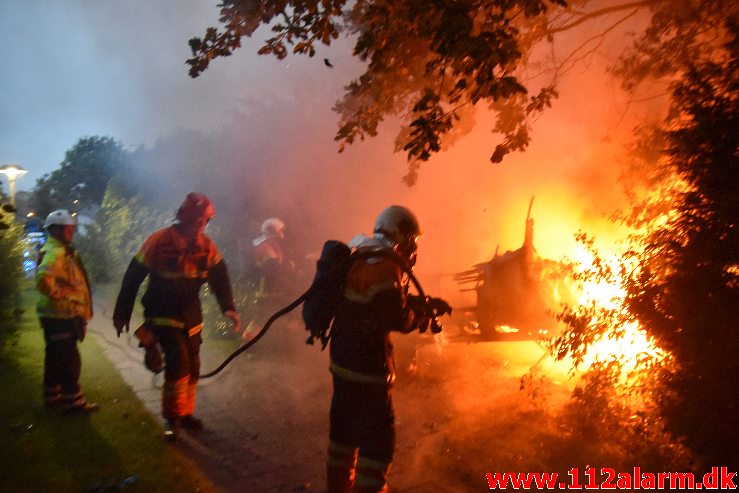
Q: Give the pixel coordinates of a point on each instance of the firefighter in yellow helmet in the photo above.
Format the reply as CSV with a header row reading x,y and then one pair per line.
x,y
178,260
375,302
64,307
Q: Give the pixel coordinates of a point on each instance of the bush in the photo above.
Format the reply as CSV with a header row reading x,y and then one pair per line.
x,y
123,225
11,273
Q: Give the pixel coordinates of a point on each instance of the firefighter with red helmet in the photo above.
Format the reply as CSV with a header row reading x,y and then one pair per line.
x,y
64,308
375,302
178,260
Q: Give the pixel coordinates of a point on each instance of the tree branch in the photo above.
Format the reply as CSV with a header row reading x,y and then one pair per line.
x,y
600,36
604,11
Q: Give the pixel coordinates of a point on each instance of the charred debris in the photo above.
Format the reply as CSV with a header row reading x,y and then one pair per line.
x,y
518,294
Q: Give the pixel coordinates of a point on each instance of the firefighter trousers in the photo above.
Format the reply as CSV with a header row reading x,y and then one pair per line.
x,y
362,437
181,370
62,363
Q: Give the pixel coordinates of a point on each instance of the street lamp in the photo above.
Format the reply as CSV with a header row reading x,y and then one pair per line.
x,y
12,171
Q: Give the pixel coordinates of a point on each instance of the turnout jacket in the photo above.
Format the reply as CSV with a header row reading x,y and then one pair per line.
x,y
267,250
177,267
62,283
374,303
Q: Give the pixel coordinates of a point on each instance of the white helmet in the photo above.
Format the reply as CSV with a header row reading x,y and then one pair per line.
x,y
400,225
273,227
60,217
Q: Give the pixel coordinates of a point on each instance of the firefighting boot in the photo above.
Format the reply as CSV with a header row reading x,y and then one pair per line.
x,y
52,395
340,468
191,422
339,479
76,403
170,429
371,476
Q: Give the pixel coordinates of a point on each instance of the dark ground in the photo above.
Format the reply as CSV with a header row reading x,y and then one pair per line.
x,y
266,414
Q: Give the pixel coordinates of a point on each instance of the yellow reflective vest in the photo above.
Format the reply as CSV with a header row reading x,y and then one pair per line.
x,y
62,283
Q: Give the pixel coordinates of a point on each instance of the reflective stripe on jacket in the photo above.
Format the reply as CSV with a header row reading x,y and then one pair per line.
x,y
373,305
177,267
62,283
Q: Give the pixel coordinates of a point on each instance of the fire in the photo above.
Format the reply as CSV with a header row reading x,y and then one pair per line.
x,y
633,345
628,343
519,292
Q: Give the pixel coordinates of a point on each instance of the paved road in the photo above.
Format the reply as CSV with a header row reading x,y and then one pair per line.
x,y
266,415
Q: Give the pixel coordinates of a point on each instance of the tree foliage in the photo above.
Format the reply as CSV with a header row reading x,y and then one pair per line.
x,y
82,176
681,274
11,272
123,221
687,289
679,32
429,62
616,426
426,60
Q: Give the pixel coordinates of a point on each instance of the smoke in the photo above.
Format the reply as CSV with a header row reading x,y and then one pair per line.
x,y
275,156
256,135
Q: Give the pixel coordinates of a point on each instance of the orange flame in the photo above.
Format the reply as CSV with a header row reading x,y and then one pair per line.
x,y
632,344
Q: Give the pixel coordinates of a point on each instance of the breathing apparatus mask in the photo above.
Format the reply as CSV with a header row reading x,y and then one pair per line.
x,y
399,224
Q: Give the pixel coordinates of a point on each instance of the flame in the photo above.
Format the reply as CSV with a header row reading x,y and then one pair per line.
x,y
632,344
628,349
598,283
608,295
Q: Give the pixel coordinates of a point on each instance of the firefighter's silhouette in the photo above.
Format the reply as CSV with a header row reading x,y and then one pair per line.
x,y
271,272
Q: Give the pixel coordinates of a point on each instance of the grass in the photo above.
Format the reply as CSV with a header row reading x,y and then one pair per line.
x,y
118,448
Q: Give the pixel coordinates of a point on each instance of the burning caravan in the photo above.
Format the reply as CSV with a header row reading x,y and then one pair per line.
x,y
518,293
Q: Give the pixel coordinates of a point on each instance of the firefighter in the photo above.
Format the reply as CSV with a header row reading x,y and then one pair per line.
x,y
375,302
178,260
64,308
271,272
269,258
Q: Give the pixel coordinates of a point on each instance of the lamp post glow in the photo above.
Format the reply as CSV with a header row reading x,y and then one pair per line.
x,y
12,171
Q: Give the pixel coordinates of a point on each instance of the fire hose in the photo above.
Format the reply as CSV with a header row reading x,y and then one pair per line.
x,y
435,311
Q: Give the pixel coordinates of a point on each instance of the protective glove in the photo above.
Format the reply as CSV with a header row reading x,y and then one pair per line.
x,y
418,306
120,325
428,310
146,337
438,307
152,356
153,360
235,320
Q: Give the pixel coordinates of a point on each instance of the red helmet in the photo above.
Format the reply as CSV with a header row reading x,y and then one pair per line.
x,y
195,206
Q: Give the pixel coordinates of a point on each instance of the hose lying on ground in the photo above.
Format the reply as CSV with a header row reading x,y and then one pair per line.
x,y
259,335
